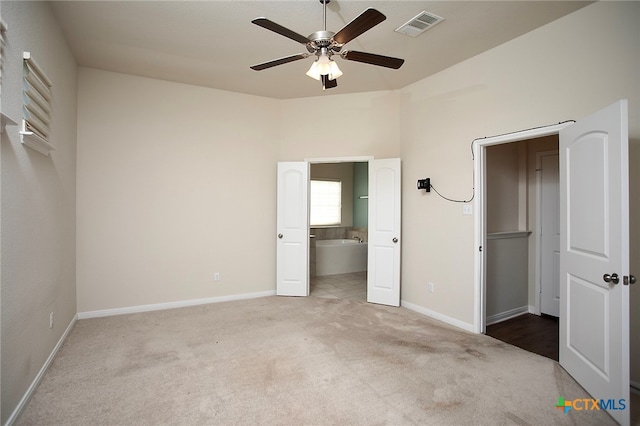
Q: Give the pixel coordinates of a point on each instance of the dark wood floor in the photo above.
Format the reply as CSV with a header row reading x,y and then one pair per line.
x,y
537,334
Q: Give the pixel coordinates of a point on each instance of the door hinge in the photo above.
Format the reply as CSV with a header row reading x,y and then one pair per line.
x,y
480,248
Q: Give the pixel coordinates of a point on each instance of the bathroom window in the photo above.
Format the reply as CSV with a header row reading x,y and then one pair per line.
x,y
325,202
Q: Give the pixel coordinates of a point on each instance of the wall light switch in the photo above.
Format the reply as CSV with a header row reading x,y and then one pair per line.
x,y
467,209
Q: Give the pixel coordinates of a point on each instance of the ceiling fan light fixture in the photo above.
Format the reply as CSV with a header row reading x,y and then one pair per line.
x,y
324,66
313,71
334,71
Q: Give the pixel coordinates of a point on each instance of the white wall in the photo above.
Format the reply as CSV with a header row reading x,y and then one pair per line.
x,y
37,205
506,284
362,124
506,256
175,183
503,188
565,70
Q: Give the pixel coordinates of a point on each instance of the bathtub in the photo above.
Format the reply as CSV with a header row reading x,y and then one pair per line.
x,y
340,257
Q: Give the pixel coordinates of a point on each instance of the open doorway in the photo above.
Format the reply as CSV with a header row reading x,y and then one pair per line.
x,y
522,243
384,230
338,245
594,226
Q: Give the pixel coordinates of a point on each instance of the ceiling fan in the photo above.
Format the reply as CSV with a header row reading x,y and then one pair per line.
x,y
324,44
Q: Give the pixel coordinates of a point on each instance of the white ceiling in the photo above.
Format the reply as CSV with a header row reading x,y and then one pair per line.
x,y
213,43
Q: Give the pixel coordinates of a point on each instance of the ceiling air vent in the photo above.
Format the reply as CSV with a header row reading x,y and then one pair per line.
x,y
419,24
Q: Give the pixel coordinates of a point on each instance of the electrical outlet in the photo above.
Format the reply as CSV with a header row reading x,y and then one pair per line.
x,y
51,320
216,276
430,287
467,209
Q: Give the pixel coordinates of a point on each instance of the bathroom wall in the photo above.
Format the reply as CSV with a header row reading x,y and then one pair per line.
x,y
355,183
360,191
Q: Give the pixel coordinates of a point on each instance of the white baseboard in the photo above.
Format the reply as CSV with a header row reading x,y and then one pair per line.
x,y
172,305
506,315
440,317
36,381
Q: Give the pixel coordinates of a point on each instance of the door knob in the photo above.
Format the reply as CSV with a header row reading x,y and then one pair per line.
x,y
631,279
613,278
395,240
280,236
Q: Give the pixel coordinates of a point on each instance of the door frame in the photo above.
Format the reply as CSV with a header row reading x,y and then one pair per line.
x,y
538,270
370,160
334,160
480,223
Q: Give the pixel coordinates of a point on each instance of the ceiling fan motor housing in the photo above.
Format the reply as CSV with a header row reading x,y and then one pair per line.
x,y
322,39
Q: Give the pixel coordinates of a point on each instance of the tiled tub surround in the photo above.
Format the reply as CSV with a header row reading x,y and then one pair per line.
x,y
340,232
333,233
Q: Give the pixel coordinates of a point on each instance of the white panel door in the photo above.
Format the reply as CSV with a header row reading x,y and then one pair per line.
x,y
550,234
594,223
292,252
383,269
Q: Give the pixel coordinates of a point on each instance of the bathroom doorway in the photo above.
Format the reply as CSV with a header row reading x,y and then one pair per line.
x,y
339,207
383,232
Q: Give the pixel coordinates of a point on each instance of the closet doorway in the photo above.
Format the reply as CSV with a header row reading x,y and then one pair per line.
x,y
522,244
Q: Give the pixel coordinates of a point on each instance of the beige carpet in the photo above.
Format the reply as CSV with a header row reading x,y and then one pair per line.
x,y
296,361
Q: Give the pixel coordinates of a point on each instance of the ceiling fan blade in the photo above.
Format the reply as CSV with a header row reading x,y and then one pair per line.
x,y
365,21
373,59
279,61
276,28
326,83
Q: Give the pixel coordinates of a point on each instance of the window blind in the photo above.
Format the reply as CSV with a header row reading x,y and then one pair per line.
x,y
325,203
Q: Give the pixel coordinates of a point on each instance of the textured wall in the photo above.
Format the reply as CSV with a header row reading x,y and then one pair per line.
x,y
38,205
546,76
173,186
